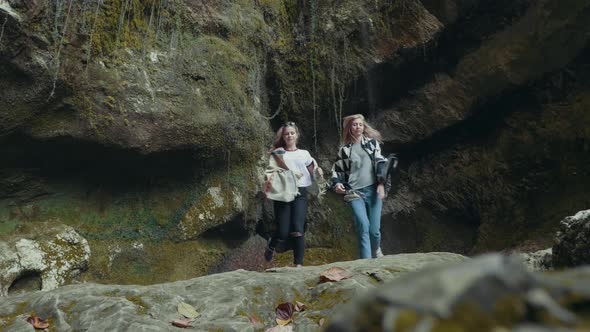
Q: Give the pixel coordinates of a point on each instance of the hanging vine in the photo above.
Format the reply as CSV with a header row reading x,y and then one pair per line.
x,y
313,22
88,55
59,48
2,29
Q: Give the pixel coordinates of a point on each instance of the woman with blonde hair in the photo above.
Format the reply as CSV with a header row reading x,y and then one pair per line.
x,y
359,174
290,200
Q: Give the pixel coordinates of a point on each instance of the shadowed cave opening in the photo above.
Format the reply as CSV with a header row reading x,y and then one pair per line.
x,y
28,281
233,232
32,168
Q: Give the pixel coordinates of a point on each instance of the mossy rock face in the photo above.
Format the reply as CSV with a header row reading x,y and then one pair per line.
x,y
209,79
144,262
52,253
153,76
167,214
572,243
508,182
484,294
118,83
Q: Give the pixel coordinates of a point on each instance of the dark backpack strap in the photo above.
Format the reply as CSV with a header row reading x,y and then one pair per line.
x,y
389,169
280,161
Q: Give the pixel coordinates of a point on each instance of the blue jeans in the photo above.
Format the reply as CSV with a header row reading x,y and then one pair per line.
x,y
367,220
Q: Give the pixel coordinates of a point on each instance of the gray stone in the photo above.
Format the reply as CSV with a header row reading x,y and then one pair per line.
x,y
495,292
572,241
225,301
54,253
540,260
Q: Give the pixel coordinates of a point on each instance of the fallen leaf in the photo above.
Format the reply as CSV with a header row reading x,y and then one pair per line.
x,y
321,323
182,322
334,274
187,310
37,322
284,312
254,320
299,306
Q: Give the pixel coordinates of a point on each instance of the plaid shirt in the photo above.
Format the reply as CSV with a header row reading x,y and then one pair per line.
x,y
341,168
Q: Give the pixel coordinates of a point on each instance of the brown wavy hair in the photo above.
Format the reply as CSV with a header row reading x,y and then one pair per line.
x,y
279,142
369,131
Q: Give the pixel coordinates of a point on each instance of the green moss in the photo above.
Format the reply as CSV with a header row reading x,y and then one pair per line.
x,y
68,310
121,262
60,252
110,102
406,320
8,226
257,291
507,312
111,221
19,310
141,306
130,24
206,208
317,256
329,298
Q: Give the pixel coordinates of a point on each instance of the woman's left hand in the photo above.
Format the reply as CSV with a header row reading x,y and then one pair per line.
x,y
381,191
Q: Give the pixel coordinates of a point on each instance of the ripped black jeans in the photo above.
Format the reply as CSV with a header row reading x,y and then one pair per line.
x,y
290,219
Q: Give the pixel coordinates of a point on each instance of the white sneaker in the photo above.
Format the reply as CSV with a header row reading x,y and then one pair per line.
x,y
379,253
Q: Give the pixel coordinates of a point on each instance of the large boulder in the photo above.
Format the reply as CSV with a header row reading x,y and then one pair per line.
x,y
489,293
121,89
230,301
51,254
406,292
572,241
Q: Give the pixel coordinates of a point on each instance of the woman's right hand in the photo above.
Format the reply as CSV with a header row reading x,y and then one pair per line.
x,y
280,150
339,188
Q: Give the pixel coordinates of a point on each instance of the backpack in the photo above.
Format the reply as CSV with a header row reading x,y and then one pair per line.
x,y
390,167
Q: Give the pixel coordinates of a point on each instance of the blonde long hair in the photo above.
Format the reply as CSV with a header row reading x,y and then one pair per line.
x,y
368,131
279,142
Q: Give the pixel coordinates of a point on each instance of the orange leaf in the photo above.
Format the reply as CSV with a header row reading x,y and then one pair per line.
x,y
334,274
37,322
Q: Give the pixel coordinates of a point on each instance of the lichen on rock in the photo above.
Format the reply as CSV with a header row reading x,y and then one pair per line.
x,y
55,252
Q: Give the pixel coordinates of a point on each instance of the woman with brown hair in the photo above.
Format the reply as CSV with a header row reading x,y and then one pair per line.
x,y
359,174
290,212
